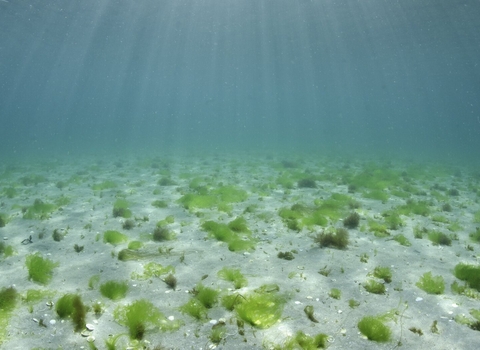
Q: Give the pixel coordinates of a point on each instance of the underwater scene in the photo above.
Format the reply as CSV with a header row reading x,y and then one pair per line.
x,y
239,174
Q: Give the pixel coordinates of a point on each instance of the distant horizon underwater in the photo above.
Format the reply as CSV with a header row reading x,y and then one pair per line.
x,y
365,79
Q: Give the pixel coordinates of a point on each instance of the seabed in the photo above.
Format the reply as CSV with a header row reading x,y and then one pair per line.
x,y
261,220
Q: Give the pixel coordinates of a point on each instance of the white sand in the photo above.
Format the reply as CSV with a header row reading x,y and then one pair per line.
x,y
205,256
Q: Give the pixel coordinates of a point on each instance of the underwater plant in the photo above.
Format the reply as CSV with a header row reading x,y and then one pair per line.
x,y
352,220
475,236
161,233
239,225
78,248
166,181
160,204
286,255
400,238
237,241
384,273
3,220
206,295
337,239
261,310
412,207
335,293
6,250
135,245
218,332
141,316
171,281
153,269
39,210
374,329
58,235
378,229
93,281
379,195
40,270
353,303
105,185
130,254
431,284
307,182
71,305
114,237
114,290
128,224
309,312
302,341
392,219
439,238
194,308
233,275
468,273
8,299
120,209
374,287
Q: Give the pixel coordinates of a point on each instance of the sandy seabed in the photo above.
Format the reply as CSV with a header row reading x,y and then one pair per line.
x,y
84,211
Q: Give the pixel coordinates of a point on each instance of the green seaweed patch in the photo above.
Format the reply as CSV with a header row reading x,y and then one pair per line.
x,y
3,219
383,273
6,250
400,238
476,217
379,229
303,341
121,209
194,308
335,207
236,240
162,233
40,269
142,316
440,218
207,199
374,287
153,269
392,219
71,305
105,185
374,329
135,245
32,179
160,204
337,238
8,301
114,237
39,210
234,276
34,296
475,236
431,284
468,273
379,195
439,238
261,310
114,290
414,207
335,293
206,295
10,192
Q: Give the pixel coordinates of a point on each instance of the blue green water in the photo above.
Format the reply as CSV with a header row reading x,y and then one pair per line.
x,y
372,77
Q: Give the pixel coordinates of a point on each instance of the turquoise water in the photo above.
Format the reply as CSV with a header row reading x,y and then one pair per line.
x,y
396,78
